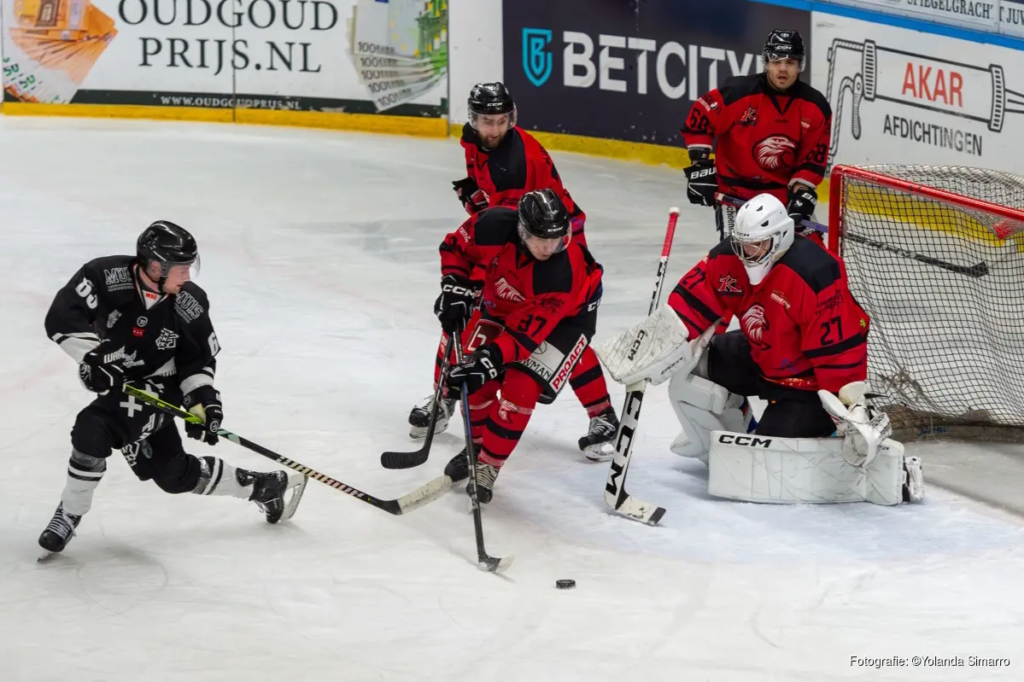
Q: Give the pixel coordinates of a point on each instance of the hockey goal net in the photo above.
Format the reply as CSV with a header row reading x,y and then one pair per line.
x,y
935,255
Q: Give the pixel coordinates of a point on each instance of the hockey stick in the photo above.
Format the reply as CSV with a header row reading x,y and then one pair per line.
x,y
417,498
408,460
484,561
977,270
615,494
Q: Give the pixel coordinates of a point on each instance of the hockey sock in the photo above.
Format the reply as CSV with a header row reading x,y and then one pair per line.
x,y
480,404
587,381
508,417
217,477
84,474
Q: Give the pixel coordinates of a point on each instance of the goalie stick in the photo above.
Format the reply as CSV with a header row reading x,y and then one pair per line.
x,y
615,494
408,460
979,269
484,560
414,500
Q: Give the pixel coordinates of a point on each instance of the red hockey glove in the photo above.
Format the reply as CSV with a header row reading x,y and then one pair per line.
x,y
472,197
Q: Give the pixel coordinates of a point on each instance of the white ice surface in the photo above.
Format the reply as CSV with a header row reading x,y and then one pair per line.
x,y
320,258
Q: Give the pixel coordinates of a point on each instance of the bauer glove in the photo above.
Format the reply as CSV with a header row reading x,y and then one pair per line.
x,y
802,202
701,180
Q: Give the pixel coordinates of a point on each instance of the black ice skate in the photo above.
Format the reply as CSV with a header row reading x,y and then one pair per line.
x,y
269,490
597,444
458,468
419,417
59,532
485,477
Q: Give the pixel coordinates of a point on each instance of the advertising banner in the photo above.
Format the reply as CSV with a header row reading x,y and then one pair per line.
x,y
992,16
358,56
906,97
630,69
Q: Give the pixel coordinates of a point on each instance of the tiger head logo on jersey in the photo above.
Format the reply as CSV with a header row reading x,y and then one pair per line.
x,y
754,323
775,152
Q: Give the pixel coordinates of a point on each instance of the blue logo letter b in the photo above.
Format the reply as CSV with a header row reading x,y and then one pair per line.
x,y
536,58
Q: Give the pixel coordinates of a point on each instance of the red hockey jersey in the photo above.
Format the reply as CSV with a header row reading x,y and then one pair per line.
x,y
517,166
762,139
527,296
805,329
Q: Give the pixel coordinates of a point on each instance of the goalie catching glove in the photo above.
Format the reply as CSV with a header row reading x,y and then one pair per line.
x,y
653,350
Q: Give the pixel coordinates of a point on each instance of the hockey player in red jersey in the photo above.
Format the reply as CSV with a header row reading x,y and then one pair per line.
x,y
770,133
802,347
503,162
537,314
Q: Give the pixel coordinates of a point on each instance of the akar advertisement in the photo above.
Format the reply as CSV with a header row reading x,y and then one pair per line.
x,y
900,96
360,56
630,69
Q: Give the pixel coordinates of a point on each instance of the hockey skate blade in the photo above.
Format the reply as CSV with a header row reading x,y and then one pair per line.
x,y
297,485
602,452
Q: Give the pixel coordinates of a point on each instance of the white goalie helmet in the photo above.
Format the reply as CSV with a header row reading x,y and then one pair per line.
x,y
762,235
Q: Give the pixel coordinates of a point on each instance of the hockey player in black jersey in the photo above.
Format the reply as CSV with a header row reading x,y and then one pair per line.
x,y
141,319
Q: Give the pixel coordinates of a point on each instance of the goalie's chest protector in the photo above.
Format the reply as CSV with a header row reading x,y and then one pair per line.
x,y
769,316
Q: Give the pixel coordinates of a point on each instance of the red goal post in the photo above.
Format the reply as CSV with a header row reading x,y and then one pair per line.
x,y
935,255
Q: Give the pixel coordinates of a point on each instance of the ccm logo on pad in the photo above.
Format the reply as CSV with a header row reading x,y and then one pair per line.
x,y
751,441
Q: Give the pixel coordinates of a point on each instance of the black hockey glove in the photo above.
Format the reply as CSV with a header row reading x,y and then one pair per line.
x,y
101,369
483,366
455,304
472,197
701,180
802,202
204,402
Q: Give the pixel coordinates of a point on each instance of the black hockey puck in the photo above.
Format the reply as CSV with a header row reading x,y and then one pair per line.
x,y
565,584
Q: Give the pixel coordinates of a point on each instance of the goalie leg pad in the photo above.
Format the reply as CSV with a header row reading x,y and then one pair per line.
x,y
775,470
701,407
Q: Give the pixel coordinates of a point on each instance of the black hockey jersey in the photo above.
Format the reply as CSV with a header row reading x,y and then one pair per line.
x,y
166,336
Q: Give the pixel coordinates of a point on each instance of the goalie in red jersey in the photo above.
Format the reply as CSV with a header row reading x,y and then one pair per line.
x,y
504,162
770,133
537,316
802,347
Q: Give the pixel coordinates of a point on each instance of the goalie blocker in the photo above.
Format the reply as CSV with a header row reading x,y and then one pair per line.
x,y
794,305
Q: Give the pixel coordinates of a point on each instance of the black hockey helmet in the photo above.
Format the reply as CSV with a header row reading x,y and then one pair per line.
x,y
168,244
543,215
491,99
785,45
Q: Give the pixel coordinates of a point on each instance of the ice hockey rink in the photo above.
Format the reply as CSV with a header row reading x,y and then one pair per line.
x,y
319,253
